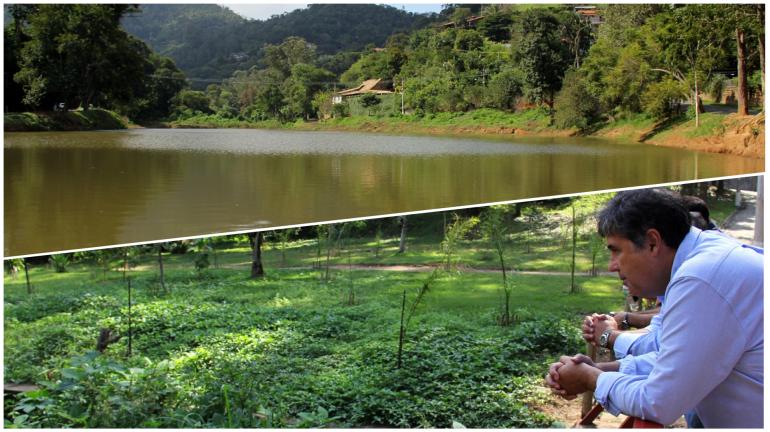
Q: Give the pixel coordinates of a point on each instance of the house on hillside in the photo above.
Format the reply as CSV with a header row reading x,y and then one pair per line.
x,y
590,14
374,86
468,23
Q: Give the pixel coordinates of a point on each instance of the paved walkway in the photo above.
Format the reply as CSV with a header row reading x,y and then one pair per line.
x,y
740,225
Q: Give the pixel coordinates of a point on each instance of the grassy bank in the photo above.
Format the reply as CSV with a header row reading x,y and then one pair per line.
x,y
93,119
718,131
481,121
213,121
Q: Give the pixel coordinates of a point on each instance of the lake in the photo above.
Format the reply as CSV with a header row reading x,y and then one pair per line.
x,y
69,190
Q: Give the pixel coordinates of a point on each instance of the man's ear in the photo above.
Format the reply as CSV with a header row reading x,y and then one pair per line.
x,y
653,241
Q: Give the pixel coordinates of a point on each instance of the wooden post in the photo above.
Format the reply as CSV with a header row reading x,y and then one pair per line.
x,y
588,397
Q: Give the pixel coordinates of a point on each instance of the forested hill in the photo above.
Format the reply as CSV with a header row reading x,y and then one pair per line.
x,y
211,42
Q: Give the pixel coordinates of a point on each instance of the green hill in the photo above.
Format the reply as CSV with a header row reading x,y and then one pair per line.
x,y
210,42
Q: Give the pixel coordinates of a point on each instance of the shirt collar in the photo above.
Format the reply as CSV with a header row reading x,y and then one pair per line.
x,y
684,249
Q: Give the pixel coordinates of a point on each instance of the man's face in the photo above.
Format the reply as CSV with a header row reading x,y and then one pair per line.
x,y
639,268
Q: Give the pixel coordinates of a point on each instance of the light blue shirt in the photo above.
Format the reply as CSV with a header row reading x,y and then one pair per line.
x,y
711,341
636,343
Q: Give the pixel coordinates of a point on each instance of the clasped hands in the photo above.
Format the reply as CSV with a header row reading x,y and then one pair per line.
x,y
571,376
594,325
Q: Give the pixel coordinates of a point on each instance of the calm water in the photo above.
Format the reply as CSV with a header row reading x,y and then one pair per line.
x,y
83,189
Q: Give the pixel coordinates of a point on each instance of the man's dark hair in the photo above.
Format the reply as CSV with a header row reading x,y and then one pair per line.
x,y
631,213
696,204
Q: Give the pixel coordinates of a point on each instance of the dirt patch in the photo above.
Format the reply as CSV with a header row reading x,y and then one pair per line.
x,y
742,136
568,413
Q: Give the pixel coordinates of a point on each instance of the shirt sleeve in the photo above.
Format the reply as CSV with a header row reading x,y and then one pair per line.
x,y
700,343
638,343
638,365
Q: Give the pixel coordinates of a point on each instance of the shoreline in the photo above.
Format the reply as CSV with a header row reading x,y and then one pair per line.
x,y
739,136
729,134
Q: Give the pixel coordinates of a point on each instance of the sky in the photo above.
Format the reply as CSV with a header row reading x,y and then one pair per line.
x,y
266,10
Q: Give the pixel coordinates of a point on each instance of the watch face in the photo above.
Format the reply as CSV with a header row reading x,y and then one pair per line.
x,y
603,339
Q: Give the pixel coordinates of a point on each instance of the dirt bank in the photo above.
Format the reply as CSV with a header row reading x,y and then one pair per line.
x,y
417,129
739,135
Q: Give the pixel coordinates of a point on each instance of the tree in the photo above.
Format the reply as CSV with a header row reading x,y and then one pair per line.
x,y
575,106
283,236
369,101
402,239
496,26
495,231
746,21
690,45
406,316
539,53
304,82
573,286
257,270
455,232
78,53
192,101
291,52
161,275
504,89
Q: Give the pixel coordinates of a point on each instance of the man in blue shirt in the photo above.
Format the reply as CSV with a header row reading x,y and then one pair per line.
x,y
711,338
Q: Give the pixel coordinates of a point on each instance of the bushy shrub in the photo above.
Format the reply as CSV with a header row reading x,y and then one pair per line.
x,y
59,262
575,106
662,100
191,101
504,89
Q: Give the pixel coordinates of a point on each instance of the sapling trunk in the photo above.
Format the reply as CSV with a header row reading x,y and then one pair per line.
x,y
406,317
26,276
573,288
401,331
160,268
130,330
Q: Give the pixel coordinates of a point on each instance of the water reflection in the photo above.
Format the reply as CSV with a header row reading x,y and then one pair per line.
x,y
84,189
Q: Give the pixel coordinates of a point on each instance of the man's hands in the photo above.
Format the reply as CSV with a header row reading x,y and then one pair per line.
x,y
571,376
594,325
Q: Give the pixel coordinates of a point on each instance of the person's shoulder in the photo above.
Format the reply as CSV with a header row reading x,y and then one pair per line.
x,y
715,254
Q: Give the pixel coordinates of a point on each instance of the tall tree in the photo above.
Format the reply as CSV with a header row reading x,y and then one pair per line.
x,y
257,270
746,22
77,53
690,45
292,51
539,52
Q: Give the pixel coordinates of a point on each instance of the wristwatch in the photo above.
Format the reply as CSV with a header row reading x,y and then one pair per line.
x,y
624,325
604,339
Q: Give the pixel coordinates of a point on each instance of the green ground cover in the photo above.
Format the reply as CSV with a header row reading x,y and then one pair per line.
x,y
93,119
289,350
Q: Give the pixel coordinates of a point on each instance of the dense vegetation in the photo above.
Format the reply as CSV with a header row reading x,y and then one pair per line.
x,y
655,62
314,340
230,42
79,57
648,60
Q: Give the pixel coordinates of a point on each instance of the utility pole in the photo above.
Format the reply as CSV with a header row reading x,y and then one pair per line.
x,y
402,96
